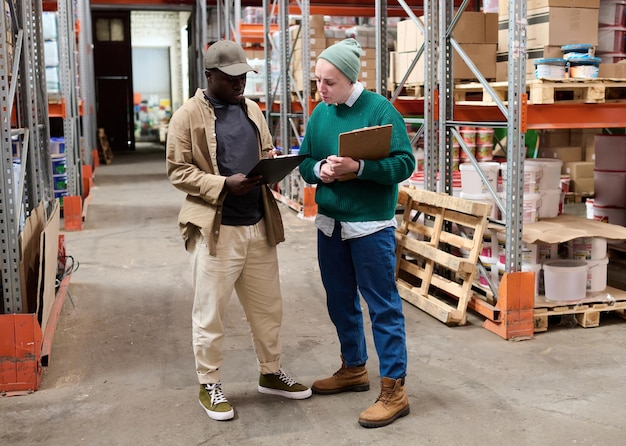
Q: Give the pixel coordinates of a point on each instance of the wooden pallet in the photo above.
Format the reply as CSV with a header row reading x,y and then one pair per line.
x,y
431,271
104,147
586,312
547,91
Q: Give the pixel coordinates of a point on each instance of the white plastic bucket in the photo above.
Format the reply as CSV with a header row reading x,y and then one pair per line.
x,y
530,208
589,208
597,274
532,177
550,203
609,214
587,248
565,280
547,251
550,172
471,182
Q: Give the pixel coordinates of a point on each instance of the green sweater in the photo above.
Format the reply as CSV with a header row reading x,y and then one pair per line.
x,y
373,195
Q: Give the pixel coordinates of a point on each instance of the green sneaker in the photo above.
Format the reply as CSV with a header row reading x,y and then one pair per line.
x,y
281,384
214,402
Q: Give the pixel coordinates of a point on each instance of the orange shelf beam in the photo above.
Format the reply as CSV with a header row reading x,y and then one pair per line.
x,y
539,116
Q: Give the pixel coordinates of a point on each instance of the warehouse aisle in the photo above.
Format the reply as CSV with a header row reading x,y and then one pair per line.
x,y
121,370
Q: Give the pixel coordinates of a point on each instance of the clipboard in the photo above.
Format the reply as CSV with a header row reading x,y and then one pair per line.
x,y
275,169
367,143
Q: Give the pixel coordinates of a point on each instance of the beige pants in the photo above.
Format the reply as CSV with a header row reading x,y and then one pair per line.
x,y
246,263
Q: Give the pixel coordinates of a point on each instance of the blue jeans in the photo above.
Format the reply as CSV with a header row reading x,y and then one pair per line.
x,y
366,265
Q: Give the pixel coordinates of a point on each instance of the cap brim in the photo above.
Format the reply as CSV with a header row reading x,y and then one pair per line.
x,y
237,69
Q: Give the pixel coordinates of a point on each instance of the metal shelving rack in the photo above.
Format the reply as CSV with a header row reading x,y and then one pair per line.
x,y
23,100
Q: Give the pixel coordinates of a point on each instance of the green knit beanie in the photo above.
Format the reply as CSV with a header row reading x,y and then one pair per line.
x,y
346,56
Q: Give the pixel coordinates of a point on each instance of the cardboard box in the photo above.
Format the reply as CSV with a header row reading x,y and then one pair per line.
x,y
579,169
483,55
585,138
472,27
503,5
612,70
565,154
582,186
554,138
554,26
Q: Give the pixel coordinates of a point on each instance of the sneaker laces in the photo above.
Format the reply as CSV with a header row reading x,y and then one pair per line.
x,y
217,395
282,375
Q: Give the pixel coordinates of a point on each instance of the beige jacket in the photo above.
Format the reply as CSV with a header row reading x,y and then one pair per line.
x,y
192,168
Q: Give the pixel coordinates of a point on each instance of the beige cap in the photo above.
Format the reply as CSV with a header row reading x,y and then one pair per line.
x,y
228,57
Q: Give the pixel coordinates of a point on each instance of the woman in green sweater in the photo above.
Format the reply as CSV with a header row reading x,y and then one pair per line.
x,y
356,222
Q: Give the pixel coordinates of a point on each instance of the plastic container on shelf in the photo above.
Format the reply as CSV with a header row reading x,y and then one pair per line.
x,y
612,13
59,165
484,152
550,68
611,39
469,135
611,57
532,177
550,172
609,214
565,280
584,67
484,136
472,184
577,50
587,248
550,203
597,274
610,152
609,188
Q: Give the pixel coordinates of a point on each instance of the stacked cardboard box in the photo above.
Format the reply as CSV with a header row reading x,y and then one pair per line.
x,y
476,32
317,44
551,23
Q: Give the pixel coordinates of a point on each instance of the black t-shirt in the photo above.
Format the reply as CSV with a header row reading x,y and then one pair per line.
x,y
237,152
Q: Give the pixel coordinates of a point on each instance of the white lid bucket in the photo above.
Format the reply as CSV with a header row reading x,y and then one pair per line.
x,y
550,172
565,280
472,184
597,274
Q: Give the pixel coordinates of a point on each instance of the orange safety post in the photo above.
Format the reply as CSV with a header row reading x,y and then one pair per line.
x,y
87,180
20,347
73,213
516,300
309,207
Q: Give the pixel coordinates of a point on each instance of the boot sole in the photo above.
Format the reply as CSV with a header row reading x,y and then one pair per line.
x,y
369,424
355,388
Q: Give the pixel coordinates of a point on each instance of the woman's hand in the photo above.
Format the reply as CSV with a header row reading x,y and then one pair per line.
x,y
336,167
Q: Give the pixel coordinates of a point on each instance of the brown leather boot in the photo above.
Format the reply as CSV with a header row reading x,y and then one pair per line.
x,y
392,403
346,379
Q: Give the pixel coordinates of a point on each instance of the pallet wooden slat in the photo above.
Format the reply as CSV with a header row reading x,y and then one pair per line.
x,y
436,265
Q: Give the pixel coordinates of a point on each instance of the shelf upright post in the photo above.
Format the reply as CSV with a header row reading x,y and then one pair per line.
x,y
69,92
9,229
515,135
33,105
87,76
431,93
446,96
382,58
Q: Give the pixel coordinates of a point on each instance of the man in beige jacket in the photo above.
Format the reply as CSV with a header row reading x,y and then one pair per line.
x,y
230,224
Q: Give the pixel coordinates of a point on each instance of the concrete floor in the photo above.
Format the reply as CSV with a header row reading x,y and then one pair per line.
x,y
121,370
